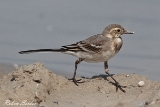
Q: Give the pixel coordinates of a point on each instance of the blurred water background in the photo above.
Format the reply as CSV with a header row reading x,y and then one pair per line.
x,y
35,24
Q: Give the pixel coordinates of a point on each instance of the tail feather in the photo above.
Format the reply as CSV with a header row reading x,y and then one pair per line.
x,y
41,50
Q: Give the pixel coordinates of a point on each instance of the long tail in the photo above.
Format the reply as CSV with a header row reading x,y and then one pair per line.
x,y
68,48
42,50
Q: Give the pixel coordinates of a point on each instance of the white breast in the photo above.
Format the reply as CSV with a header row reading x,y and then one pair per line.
x,y
118,40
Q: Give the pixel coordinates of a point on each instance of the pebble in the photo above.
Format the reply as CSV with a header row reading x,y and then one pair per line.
x,y
127,75
141,83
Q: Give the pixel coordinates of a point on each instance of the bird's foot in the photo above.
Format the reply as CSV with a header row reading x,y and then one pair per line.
x,y
76,81
118,86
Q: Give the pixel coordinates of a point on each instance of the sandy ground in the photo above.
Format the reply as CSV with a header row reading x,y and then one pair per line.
x,y
35,86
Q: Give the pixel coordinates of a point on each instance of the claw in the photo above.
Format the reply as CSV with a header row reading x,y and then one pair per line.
x,y
76,81
116,83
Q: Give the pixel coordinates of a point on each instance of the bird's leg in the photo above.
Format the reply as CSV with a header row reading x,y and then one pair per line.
x,y
116,83
74,75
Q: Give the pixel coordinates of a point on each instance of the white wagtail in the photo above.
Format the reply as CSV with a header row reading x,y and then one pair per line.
x,y
97,48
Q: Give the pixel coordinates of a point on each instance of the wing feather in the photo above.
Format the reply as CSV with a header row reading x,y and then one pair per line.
x,y
92,44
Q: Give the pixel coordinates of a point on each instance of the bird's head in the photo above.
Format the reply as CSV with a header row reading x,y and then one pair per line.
x,y
115,30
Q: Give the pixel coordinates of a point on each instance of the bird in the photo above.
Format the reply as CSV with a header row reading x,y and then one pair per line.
x,y
95,49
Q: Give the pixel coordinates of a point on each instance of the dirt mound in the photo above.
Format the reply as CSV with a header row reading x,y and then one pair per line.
x,y
34,85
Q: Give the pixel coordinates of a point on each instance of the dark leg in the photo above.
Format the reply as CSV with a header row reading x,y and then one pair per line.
x,y
74,75
116,83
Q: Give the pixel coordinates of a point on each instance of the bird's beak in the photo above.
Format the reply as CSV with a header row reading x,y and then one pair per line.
x,y
128,32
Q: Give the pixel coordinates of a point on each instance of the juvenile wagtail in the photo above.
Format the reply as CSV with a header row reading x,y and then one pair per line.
x,y
97,48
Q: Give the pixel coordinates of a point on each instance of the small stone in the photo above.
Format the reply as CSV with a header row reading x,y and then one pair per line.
x,y
141,83
127,75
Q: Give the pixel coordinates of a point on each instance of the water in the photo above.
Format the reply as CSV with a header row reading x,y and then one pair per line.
x,y
52,23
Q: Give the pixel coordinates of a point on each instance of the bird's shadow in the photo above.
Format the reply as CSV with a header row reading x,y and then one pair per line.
x,y
105,77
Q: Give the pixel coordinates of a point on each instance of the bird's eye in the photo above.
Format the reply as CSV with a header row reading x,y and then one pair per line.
x,y
118,30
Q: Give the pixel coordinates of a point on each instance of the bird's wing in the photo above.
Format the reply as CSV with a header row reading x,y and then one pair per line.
x,y
93,44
